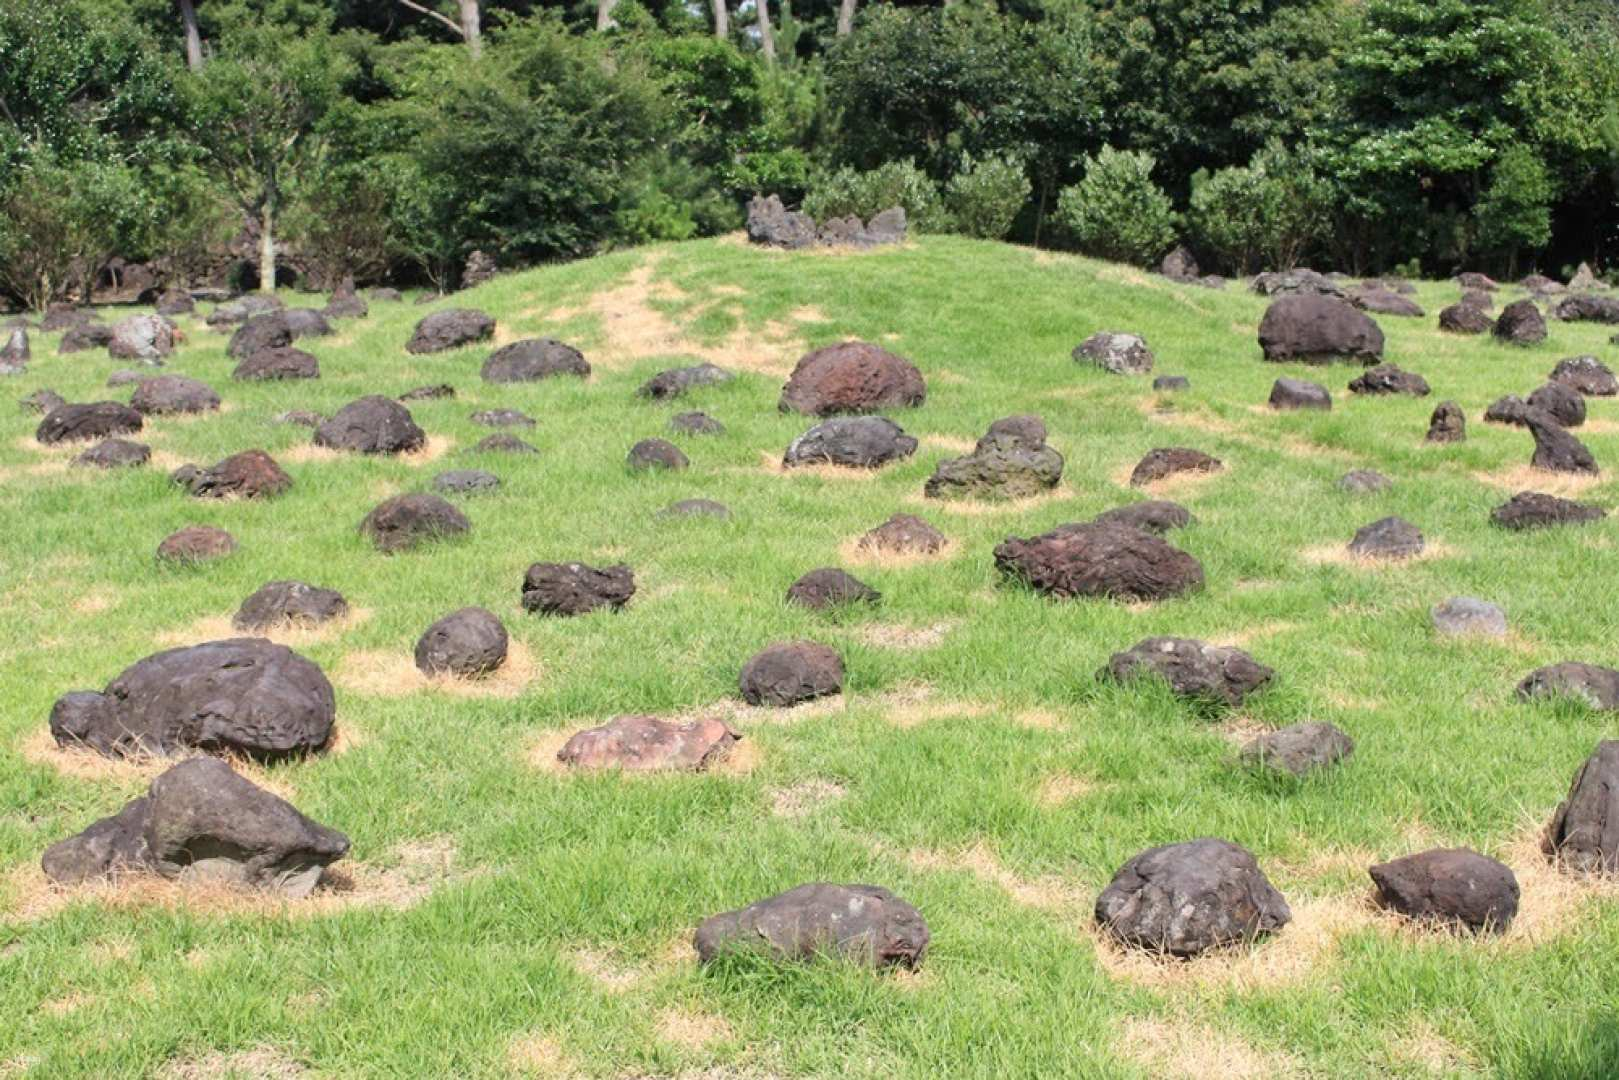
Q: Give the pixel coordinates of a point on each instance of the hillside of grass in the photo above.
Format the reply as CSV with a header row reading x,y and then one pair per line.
x,y
503,919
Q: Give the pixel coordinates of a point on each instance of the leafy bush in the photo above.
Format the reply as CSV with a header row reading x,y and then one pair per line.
x,y
1263,215
61,223
1116,211
1515,210
985,196
865,194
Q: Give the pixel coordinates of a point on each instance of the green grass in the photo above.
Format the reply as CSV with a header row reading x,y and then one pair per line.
x,y
548,867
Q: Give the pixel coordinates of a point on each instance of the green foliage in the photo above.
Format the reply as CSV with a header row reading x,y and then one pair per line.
x,y
985,196
60,223
867,193
1263,215
1116,211
1514,212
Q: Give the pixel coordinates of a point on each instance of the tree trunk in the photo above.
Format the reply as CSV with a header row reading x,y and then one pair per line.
x,y
767,36
472,27
188,17
722,18
604,14
845,17
267,247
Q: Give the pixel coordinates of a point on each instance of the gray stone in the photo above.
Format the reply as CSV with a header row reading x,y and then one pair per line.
x,y
1465,615
1185,899
1387,538
1122,354
1299,749
854,442
862,924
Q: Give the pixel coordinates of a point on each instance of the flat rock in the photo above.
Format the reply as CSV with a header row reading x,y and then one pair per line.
x,y
1192,668
283,362
1597,686
469,643
1583,834
1562,403
289,603
854,442
647,744
502,418
696,508
1382,301
503,444
97,420
1164,462
195,544
533,359
903,534
1387,538
1520,323
115,454
676,381
465,482
575,588
695,423
243,696
84,337
1447,424
165,395
652,454
1584,307
852,377
1389,379
1299,394
1587,375
1156,516
1316,329
1364,482
242,309
1185,899
1101,560
830,587
450,329
372,425
1452,887
862,924
1299,749
1466,616
791,673
1536,510
404,521
1011,461
1297,282
251,474
1171,383
1121,354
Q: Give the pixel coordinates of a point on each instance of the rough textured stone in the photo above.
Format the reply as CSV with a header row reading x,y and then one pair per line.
x,y
676,381
1452,887
465,482
852,377
1318,329
1541,285
1364,482
695,423
115,454
175,302
1387,538
283,603
258,334
202,822
1597,686
1587,308
1468,616
450,329
504,444
1520,323
469,643
165,395
84,337
244,696
1478,298
127,377
1383,301
502,418
1155,516
650,454
251,474
904,534
345,302
1180,265
862,924
1472,279
404,521
1192,668
284,362
1583,834
1299,394
533,359
1296,282
372,425
479,268
1099,559
1447,424
1562,403
1185,899
196,544
1510,409
97,420
1389,379
1122,354
301,417
772,224
830,587
1586,374
15,352
790,673
1011,461
855,442
696,508
1299,749
1535,510
1164,462
1555,449
647,744
574,588
148,338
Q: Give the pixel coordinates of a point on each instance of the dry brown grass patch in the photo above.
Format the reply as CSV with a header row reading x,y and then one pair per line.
x,y
1039,719
852,552
949,378
260,1063
290,634
804,798
1420,1044
1061,788
1552,901
771,465
984,507
904,637
914,705
1187,1050
380,673
1045,893
1339,555
606,970
94,602
1526,478
954,444
1240,639
539,1055
690,1029
70,1002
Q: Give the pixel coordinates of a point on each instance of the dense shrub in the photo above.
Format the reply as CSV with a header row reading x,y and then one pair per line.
x,y
985,196
1116,211
1514,212
864,194
1264,215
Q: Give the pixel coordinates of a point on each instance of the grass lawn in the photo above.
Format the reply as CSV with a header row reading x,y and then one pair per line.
x,y
505,919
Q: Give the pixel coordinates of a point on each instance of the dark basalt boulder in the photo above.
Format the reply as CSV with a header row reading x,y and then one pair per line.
x,y
1121,354
260,334
1316,329
1387,538
1510,409
243,309
1478,298
1541,285
301,417
345,302
1597,686
533,359
283,362
574,588
1296,282
1156,516
1180,265
1185,899
504,444
404,521
1584,307
75,423
903,534
1583,834
465,482
853,442
862,924
695,423
433,392
1164,462
175,302
1299,749
1099,559
1382,301
284,603
647,744
115,454
148,338
84,337
450,329
1555,449
372,425
196,544
1192,668
1520,323
502,418
772,224
791,673
654,454
695,508
1448,424
1535,510
469,643
1586,374
251,474
676,381
852,377
830,587
1364,482
1299,394
1011,461
1389,379
1561,402
1452,887
166,395
243,696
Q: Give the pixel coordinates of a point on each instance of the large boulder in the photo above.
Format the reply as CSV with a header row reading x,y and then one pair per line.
x,y
1122,354
1318,329
830,587
1099,559
1447,424
772,224
284,362
533,359
854,442
258,334
647,744
148,338
1561,402
574,588
1451,887
863,924
1586,374
1583,834
1520,323
405,521
97,420
1587,308
1299,749
790,673
1164,462
243,696
166,395
1011,461
1192,668
1536,510
287,603
1597,686
450,329
251,474
1185,899
1465,319
1555,449
676,381
372,425
1387,538
469,643
115,454
196,544
852,377
1288,393
201,822
1389,379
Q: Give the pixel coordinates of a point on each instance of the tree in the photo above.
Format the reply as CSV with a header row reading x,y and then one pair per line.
x,y
255,111
767,36
61,223
470,26
193,35
722,18
845,17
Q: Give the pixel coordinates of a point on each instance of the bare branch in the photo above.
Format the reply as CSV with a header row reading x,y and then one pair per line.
x,y
430,13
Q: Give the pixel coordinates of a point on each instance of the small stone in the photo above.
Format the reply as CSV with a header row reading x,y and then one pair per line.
x,y
450,329
433,392
1364,482
1389,379
695,423
1597,686
1299,394
904,534
195,544
653,454
1164,462
1452,887
1448,424
251,474
469,643
1193,669
1011,461
502,418
791,673
854,442
283,603
830,587
1387,538
1121,354
284,362
503,444
115,454
575,589
41,401
301,417
1467,616
1299,749
534,359
676,381
1171,383
465,482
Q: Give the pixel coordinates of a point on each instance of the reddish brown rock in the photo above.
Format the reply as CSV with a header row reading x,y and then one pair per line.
x,y
852,377
646,744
